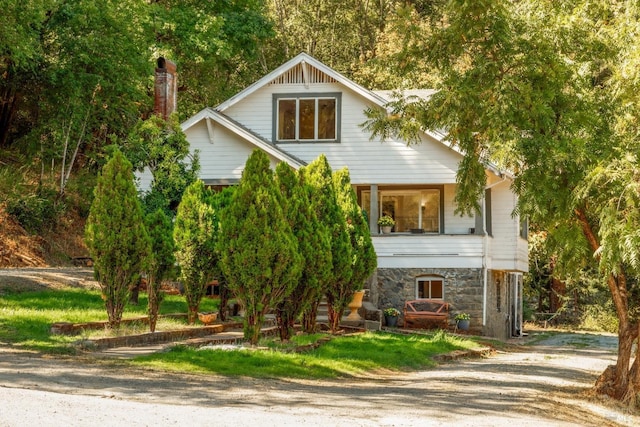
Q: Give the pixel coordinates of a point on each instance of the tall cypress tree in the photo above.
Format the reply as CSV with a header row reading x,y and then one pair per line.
x,y
195,234
161,260
116,236
313,245
258,250
221,201
364,260
325,204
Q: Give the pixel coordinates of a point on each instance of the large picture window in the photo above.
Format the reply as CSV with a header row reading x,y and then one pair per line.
x,y
309,118
412,210
430,288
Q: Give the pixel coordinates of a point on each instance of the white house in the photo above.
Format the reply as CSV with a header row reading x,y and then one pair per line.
x,y
304,108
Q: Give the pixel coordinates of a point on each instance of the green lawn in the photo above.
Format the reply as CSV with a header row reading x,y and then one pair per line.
x,y
25,318
348,356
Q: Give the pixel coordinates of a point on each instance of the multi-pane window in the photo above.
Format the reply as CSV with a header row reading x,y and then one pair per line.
x,y
430,287
312,118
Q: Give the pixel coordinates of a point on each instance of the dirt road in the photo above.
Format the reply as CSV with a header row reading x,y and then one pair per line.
x,y
541,385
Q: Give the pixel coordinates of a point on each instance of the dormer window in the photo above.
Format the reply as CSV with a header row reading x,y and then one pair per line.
x,y
307,118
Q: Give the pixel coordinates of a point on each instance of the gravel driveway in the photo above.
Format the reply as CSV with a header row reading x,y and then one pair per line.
x,y
540,385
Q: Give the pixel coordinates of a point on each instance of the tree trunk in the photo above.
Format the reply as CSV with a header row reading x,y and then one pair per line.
x,y
8,101
114,311
617,381
310,317
224,299
284,325
252,327
192,314
335,315
154,302
135,293
558,291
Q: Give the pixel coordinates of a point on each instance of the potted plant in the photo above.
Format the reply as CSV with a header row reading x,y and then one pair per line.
x,y
462,321
391,316
386,222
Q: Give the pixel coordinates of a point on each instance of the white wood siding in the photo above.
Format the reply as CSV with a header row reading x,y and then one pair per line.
x,y
455,224
225,157
507,251
429,251
369,162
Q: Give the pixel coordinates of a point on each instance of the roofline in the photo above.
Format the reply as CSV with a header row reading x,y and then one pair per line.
x,y
244,133
302,58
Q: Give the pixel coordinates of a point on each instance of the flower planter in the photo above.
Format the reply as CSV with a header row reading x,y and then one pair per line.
x,y
463,325
386,229
391,321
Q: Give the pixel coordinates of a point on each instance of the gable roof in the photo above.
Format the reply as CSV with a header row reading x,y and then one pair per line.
x,y
245,133
304,60
307,65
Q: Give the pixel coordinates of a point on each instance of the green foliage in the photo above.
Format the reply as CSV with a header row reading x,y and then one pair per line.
x,y
549,90
116,236
162,147
36,212
161,259
599,317
195,234
259,252
351,356
217,45
364,259
324,202
313,245
220,201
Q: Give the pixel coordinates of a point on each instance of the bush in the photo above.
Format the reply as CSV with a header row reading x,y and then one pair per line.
x,y
599,318
36,212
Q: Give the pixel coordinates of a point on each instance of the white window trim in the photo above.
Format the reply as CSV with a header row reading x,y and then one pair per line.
x,y
430,278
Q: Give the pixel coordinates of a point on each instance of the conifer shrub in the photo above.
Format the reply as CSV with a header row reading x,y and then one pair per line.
x,y
325,204
116,236
195,233
161,260
313,245
258,249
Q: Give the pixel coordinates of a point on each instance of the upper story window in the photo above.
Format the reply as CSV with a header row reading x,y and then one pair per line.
x,y
307,118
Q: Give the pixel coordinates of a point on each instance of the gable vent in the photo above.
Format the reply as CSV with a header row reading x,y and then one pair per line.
x,y
303,74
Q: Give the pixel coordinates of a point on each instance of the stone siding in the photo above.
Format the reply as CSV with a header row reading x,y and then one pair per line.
x,y
462,290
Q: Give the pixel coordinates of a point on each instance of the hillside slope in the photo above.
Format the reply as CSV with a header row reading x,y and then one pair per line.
x,y
53,248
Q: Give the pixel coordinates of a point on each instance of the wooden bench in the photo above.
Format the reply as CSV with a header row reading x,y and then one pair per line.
x,y
426,311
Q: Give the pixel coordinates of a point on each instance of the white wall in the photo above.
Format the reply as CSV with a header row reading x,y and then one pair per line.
x,y
369,162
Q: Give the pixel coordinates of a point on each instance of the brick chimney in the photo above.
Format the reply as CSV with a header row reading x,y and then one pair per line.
x,y
166,88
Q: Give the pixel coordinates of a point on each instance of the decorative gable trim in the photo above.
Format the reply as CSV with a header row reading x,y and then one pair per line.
x,y
303,73
315,69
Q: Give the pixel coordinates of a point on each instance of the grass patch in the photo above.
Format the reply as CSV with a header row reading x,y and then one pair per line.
x,y
349,356
25,317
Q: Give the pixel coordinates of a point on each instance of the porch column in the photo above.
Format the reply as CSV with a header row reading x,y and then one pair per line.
x,y
373,210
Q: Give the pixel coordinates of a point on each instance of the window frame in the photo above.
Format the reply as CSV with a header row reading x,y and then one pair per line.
x,y
430,278
408,191
317,96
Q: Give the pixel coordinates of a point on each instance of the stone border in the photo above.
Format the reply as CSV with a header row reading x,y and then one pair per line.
x,y
67,328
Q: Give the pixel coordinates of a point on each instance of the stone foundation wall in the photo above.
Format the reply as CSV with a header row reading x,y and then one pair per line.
x,y
462,290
